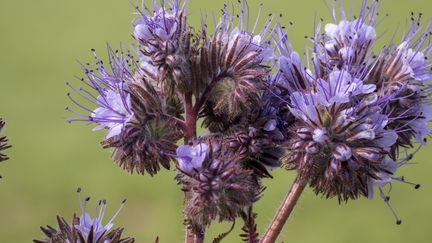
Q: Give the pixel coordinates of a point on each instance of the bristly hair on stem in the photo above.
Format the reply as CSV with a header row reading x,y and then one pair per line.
x,y
222,236
250,234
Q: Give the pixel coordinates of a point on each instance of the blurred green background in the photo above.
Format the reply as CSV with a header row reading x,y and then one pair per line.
x,y
40,43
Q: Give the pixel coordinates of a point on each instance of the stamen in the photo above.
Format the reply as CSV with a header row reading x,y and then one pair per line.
x,y
118,211
402,179
387,201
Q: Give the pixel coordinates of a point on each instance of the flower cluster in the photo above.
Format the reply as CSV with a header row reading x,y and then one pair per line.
x,y
401,73
342,121
221,76
355,112
3,143
164,38
218,185
84,229
139,117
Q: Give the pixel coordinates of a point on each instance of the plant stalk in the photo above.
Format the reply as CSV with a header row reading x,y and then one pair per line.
x,y
284,211
190,134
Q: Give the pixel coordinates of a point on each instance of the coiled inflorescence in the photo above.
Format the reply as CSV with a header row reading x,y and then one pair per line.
x,y
164,38
355,112
219,187
137,115
84,229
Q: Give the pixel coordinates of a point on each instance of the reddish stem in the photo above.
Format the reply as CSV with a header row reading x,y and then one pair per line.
x,y
190,119
189,131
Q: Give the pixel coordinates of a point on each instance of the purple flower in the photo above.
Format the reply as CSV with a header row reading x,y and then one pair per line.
x,y
347,36
340,87
347,42
88,226
339,147
138,115
291,74
191,158
355,113
164,37
400,73
117,111
84,229
107,89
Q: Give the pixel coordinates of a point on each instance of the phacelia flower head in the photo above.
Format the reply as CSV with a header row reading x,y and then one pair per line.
x,y
149,139
112,98
142,130
402,73
355,113
3,143
84,229
347,42
220,188
164,39
339,143
233,62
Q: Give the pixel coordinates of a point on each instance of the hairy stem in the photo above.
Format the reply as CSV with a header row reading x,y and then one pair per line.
x,y
190,119
284,211
189,131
